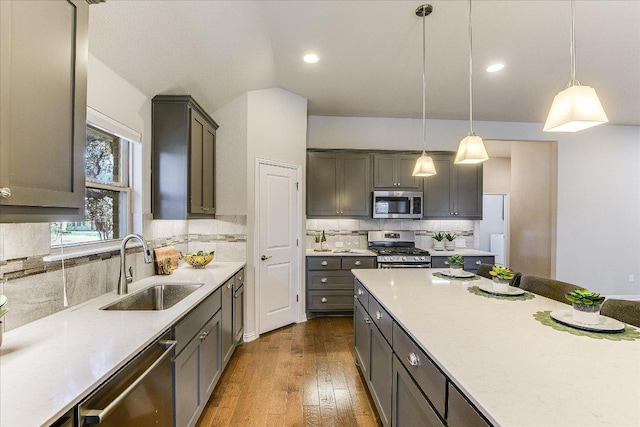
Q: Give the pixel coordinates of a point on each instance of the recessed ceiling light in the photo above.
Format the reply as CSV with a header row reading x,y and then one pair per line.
x,y
493,68
311,58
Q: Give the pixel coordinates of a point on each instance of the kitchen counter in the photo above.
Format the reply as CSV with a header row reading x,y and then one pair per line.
x,y
48,366
353,252
515,370
461,251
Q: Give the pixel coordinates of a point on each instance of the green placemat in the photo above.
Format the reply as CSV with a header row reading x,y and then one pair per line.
x,y
629,334
477,291
462,279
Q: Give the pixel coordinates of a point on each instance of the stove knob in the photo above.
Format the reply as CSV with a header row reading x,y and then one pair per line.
x,y
404,258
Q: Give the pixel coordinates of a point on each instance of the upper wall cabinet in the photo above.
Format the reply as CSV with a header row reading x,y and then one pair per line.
x,y
394,170
43,102
183,159
455,192
338,184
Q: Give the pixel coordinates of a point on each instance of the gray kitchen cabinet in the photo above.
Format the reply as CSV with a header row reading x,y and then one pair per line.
x,y
330,283
227,336
43,103
197,364
395,171
471,263
455,192
362,337
338,184
409,406
461,413
183,159
238,307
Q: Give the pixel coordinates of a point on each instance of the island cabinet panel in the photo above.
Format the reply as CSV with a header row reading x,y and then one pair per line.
x,y
362,337
380,375
455,192
338,184
461,413
409,406
227,333
43,104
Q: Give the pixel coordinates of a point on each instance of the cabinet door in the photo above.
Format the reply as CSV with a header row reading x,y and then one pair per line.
x,y
461,413
322,184
238,314
409,406
361,338
186,371
196,162
437,189
227,322
405,164
210,357
208,170
468,191
355,186
380,374
43,100
384,173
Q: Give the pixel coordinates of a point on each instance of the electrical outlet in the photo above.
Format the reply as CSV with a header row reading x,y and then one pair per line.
x,y
632,278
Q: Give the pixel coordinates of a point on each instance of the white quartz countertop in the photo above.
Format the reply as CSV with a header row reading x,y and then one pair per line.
x,y
48,366
338,252
517,371
461,251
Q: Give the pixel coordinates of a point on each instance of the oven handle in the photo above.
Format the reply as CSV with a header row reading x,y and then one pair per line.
x,y
95,416
404,265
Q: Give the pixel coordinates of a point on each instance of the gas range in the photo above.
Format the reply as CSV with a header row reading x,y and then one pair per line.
x,y
396,249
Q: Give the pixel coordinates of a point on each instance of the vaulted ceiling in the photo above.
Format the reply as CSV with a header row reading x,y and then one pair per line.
x,y
371,53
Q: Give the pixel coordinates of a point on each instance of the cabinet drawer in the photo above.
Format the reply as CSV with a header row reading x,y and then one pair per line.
x,y
239,278
439,262
330,300
191,324
471,263
427,375
461,413
381,318
409,406
358,262
361,294
329,280
324,263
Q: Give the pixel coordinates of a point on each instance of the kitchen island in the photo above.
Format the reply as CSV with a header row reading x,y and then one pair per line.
x,y
48,366
514,370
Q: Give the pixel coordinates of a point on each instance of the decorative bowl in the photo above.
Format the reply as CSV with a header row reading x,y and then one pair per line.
x,y
199,259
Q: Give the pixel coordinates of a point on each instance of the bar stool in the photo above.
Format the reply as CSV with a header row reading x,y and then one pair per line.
x,y
622,310
550,288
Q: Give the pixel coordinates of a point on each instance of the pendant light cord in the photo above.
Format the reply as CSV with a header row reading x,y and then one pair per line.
x,y
470,73
573,82
424,85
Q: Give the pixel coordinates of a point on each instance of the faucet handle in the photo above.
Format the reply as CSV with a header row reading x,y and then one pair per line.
x,y
130,276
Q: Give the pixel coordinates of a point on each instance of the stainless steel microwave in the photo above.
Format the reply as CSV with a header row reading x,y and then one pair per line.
x,y
397,204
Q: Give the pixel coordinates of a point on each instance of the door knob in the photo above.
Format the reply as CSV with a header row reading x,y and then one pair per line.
x,y
264,257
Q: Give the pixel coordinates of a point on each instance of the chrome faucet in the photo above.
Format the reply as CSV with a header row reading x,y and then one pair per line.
x,y
125,279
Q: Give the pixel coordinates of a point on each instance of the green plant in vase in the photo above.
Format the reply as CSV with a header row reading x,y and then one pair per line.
x,y
501,278
450,244
586,306
438,243
456,261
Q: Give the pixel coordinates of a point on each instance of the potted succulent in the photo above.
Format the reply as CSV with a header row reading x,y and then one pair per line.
x,y
586,306
501,278
456,262
438,243
450,244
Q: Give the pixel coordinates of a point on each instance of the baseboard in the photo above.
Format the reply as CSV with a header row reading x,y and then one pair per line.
x,y
249,336
302,318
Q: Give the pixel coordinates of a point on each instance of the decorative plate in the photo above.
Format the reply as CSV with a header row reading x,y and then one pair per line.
x,y
511,292
606,324
461,273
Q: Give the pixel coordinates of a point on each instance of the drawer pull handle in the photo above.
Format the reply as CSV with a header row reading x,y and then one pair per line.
x,y
203,336
413,359
378,315
323,300
323,280
5,192
478,262
360,291
367,320
358,263
323,263
240,279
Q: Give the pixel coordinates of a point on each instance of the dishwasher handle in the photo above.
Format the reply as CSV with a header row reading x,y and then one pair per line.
x,y
95,416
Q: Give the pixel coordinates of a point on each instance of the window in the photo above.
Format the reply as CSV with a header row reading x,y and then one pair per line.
x,y
107,198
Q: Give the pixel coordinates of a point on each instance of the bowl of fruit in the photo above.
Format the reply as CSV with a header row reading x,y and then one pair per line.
x,y
199,259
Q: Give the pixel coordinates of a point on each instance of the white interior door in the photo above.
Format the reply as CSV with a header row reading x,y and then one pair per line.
x,y
278,252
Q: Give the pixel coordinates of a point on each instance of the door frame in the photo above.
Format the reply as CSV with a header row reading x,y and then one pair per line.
x,y
300,313
507,224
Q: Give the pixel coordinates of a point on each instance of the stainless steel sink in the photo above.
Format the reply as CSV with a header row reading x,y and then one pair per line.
x,y
160,296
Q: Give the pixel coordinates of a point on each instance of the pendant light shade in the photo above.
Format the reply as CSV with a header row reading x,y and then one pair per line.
x,y
577,107
471,148
424,165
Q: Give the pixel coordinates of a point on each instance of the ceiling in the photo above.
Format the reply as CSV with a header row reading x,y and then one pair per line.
x,y
371,54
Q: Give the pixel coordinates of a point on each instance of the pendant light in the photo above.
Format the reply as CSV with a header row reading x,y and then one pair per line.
x,y
577,107
424,164
471,149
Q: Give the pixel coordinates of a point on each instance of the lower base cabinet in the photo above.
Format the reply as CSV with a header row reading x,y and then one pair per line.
x,y
410,407
461,413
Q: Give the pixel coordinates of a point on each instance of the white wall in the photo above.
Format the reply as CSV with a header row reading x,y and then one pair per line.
x,y
598,191
496,175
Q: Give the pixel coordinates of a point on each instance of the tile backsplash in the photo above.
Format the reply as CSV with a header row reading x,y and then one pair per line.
x,y
353,233
34,286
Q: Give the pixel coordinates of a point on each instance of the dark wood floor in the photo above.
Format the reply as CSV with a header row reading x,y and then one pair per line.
x,y
300,375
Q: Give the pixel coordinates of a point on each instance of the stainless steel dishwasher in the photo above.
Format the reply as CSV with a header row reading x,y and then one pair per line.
x,y
139,394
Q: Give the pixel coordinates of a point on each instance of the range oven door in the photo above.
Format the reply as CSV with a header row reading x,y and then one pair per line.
x,y
393,265
397,204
